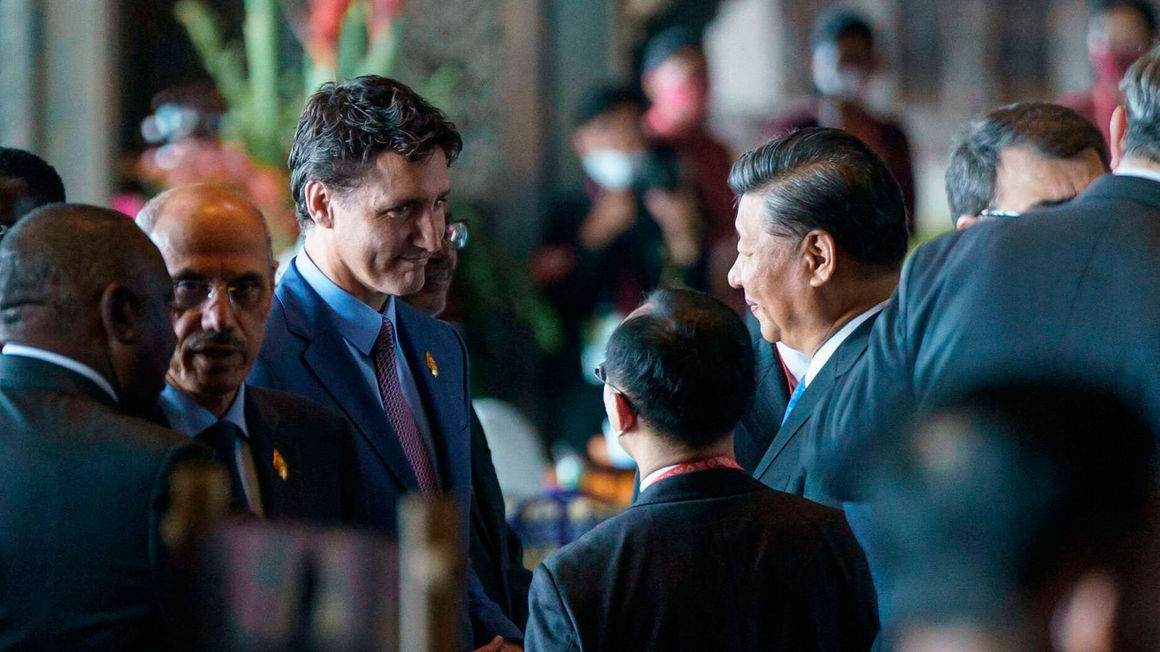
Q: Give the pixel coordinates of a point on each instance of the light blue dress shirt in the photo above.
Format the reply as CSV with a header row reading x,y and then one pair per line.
x,y
359,325
189,418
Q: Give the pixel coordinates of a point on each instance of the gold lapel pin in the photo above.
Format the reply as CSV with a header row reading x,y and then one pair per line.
x,y
432,366
280,465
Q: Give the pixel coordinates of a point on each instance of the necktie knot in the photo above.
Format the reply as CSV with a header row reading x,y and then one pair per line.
x,y
386,338
222,438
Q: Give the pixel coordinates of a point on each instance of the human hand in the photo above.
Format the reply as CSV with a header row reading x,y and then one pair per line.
x,y
677,214
613,212
498,644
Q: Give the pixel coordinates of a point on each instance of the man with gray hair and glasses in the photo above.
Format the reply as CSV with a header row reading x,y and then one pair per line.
x,y
1021,157
1071,292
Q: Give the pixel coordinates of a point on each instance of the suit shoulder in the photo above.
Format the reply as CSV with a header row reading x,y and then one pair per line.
x,y
416,319
297,409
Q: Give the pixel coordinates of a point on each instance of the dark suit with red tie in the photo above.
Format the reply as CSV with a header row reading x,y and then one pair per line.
x,y
305,353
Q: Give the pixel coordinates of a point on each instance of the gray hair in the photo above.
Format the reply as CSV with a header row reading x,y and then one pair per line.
x,y
1141,87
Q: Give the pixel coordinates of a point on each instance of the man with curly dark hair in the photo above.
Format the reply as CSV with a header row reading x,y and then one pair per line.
x,y
369,174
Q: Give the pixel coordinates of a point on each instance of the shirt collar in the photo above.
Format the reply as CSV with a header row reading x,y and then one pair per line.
x,y
189,418
357,322
796,361
826,351
61,361
1143,173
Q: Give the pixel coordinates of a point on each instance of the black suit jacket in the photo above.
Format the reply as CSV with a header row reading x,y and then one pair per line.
x,y
711,560
316,446
783,465
82,490
497,556
761,421
1068,292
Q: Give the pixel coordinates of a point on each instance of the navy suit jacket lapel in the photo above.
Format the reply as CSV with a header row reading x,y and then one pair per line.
x,y
838,365
438,394
278,496
328,356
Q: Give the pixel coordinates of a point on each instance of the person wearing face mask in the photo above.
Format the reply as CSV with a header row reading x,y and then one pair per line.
x,y
675,77
637,226
844,62
1119,31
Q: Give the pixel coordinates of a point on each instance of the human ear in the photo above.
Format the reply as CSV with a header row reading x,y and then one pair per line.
x,y
120,311
820,257
1116,131
319,200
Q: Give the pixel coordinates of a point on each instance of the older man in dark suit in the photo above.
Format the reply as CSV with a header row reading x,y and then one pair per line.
x,y
287,456
822,229
85,302
706,558
1069,291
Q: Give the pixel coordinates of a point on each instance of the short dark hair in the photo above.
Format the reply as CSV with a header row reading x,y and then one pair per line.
x,y
1053,131
667,44
345,126
1141,87
56,262
1144,9
606,98
39,183
685,361
1001,490
838,23
824,178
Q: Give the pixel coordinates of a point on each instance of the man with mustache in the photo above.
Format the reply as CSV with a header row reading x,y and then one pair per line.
x,y
287,456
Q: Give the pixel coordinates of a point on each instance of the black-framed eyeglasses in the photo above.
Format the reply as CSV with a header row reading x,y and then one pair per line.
x,y
602,375
243,293
457,234
995,213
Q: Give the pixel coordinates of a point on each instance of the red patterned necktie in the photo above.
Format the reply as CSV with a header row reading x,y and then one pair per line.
x,y
398,411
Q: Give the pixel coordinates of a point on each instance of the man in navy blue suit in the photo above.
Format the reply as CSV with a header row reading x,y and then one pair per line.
x,y
369,174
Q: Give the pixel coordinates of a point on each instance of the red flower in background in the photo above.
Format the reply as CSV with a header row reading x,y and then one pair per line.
x,y
318,24
383,14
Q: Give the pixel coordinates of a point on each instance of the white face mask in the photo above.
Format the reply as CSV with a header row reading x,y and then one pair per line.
x,y
614,169
834,80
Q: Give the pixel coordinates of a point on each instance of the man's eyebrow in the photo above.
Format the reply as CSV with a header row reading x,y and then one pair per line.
x,y
1048,203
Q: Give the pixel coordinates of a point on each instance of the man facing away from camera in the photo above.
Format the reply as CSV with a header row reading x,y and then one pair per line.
x,y
706,558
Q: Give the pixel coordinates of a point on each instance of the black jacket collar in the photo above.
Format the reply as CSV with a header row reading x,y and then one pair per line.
x,y
17,371
710,483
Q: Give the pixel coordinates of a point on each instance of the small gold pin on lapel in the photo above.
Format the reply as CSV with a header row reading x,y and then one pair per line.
x,y
432,366
280,465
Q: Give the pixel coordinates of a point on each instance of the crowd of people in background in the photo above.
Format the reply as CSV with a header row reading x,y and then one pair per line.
x,y
838,446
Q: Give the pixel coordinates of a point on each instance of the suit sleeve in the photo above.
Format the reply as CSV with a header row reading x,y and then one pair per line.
x,y
550,629
870,407
487,619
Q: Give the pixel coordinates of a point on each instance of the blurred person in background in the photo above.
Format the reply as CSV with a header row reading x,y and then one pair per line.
x,y
495,549
706,558
1119,31
27,182
1017,517
844,61
675,77
636,227
1021,157
822,234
